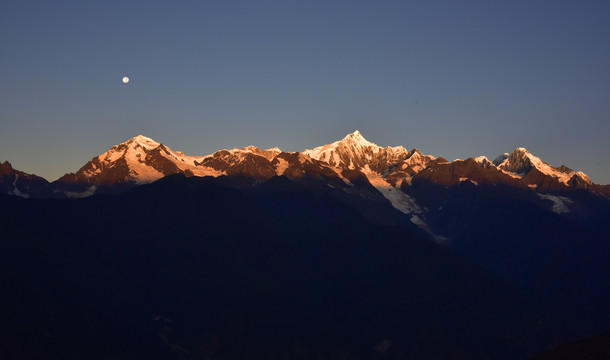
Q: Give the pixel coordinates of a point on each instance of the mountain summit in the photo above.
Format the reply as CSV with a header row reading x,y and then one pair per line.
x,y
139,160
354,152
535,172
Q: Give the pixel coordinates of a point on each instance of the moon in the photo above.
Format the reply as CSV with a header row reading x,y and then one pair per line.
x,y
125,79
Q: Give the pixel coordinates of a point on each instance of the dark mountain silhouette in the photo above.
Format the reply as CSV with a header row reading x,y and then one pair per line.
x,y
190,268
561,258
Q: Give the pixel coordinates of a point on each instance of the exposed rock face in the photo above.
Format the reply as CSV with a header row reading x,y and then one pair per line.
x,y
298,165
239,163
477,172
415,162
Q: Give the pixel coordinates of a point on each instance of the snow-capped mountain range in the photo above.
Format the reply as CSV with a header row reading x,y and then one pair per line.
x,y
142,160
342,164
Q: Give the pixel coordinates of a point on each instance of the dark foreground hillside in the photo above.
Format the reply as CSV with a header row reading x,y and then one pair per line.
x,y
563,259
187,268
594,348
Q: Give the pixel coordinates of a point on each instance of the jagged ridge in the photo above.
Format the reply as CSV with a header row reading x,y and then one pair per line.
x,y
142,160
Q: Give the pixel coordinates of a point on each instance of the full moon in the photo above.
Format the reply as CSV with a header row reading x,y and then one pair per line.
x,y
125,79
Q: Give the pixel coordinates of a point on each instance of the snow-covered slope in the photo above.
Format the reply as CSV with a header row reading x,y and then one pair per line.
x,y
385,168
355,152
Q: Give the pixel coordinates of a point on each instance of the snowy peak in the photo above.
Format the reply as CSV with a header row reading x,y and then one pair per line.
x,y
143,141
354,152
483,160
138,160
393,165
356,139
132,147
110,167
130,156
522,163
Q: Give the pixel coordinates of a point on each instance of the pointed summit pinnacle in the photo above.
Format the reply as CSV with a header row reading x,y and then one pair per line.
x,y
144,139
357,139
521,150
355,135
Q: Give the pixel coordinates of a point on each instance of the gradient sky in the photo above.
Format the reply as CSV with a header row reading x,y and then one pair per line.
x,y
452,78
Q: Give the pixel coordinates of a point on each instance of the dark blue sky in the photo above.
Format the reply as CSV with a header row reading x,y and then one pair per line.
x,y
452,78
